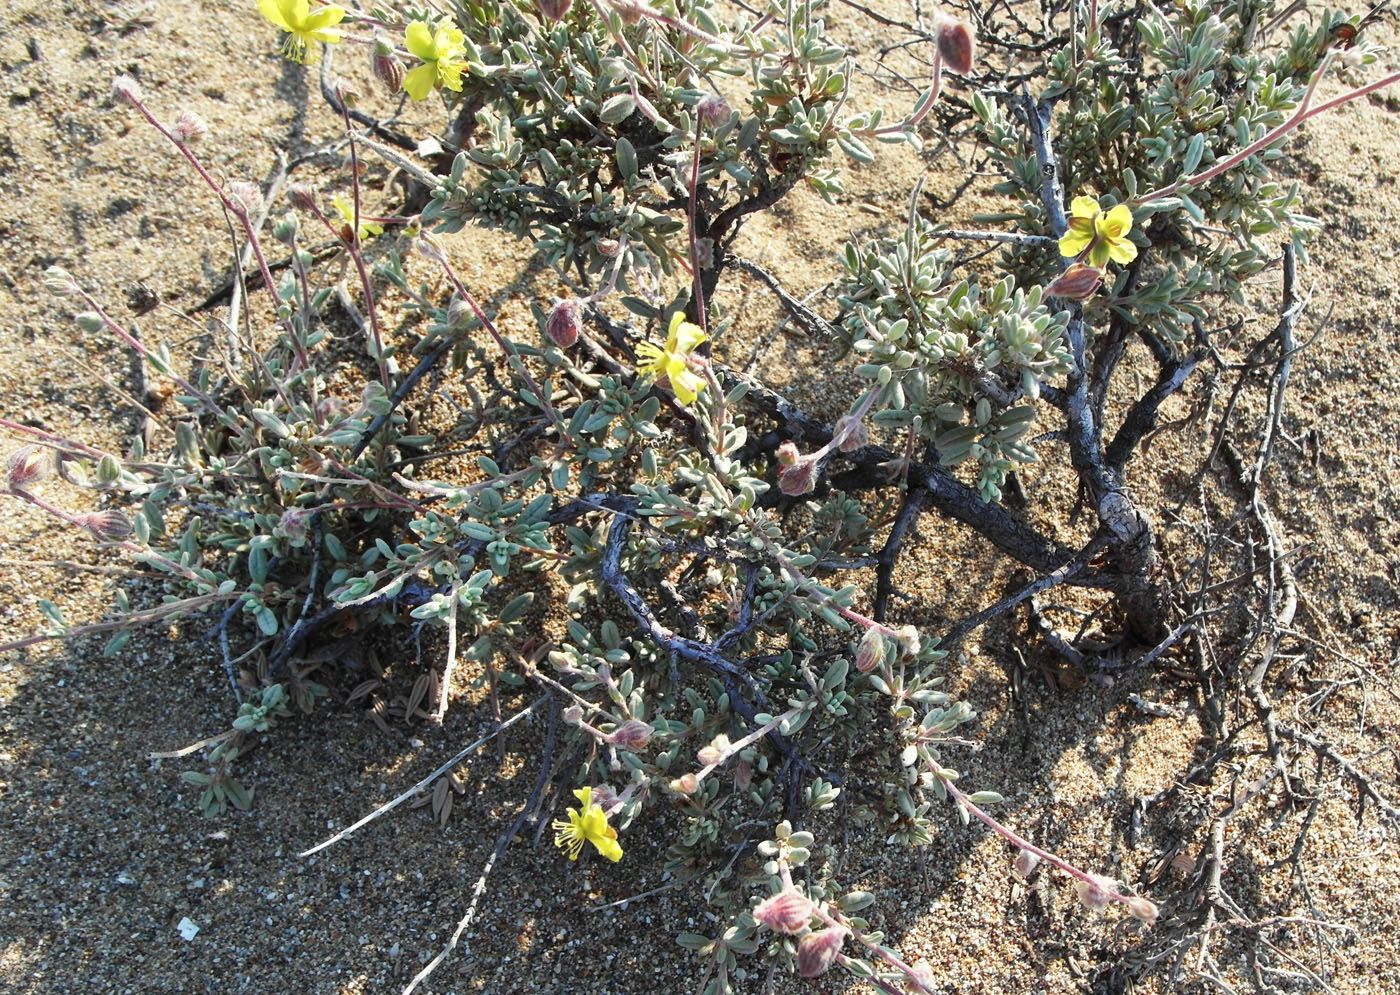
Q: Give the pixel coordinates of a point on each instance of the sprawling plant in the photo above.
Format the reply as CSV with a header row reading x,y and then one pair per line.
x,y
712,646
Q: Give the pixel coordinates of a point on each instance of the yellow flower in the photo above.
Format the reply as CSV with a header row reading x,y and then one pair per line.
x,y
441,49
587,824
346,210
1103,233
302,26
673,362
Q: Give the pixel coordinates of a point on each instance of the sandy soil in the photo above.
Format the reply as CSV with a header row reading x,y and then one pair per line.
x,y
102,854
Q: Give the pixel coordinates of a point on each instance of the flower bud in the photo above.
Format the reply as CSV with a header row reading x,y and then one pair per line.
x,y
923,978
553,10
1096,892
295,525
573,715
871,651
956,45
909,643
1142,909
189,127
686,784
285,231
126,89
608,247
786,912
714,752
111,524
59,282
386,66
564,322
89,321
713,111
429,248
1076,283
850,434
303,196
27,465
346,92
816,952
799,478
246,195
787,454
631,735
109,472
1025,864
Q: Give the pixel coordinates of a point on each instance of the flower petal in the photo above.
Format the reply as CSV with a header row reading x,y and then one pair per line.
x,y
1084,207
1073,242
1099,253
272,10
323,19
1120,250
1116,223
650,358
451,74
418,37
418,83
686,386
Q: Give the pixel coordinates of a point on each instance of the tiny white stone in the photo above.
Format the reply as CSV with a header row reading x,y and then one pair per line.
x,y
188,930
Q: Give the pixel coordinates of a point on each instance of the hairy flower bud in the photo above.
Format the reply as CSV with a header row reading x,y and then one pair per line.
x,y
386,66
245,195
565,322
1076,283
1096,892
27,465
573,715
713,111
1025,864
554,10
816,952
909,643
89,321
870,652
714,752
1142,909
59,282
608,247
631,735
799,478
189,127
285,231
303,196
686,784
126,89
786,912
957,45
850,434
111,524
787,454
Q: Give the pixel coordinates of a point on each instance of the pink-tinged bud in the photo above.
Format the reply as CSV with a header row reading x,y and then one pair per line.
x,y
799,478
28,465
786,912
713,111
295,525
629,11
553,10
124,88
573,715
743,775
303,196
429,248
608,247
246,195
1076,283
189,127
957,45
714,752
1025,864
686,784
816,952
605,797
923,978
565,322
345,90
909,643
787,454
386,66
870,652
1142,909
631,735
1183,863
851,434
111,524
1095,893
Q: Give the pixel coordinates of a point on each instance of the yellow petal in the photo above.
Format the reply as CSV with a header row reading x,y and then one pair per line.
x,y
418,37
418,83
609,849
1073,242
451,74
1084,207
687,386
323,19
272,10
1120,250
1099,254
1116,223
